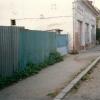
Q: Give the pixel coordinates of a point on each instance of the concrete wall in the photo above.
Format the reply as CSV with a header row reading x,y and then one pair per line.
x,y
25,10
56,14
10,9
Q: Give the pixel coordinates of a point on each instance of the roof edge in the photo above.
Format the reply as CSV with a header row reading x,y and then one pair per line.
x,y
90,5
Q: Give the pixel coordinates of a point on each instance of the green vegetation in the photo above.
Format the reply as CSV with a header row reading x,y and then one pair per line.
x,y
54,58
31,69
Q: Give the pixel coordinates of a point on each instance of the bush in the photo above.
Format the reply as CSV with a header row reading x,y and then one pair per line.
x,y
31,69
54,57
43,65
6,81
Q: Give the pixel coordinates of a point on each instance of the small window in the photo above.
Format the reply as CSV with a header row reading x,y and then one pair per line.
x,y
13,22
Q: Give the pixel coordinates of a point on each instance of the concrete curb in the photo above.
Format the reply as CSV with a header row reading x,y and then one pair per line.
x,y
71,85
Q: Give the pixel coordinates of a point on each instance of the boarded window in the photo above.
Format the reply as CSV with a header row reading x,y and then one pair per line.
x,y
13,22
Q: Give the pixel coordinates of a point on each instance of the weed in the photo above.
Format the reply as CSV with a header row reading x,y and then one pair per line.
x,y
29,70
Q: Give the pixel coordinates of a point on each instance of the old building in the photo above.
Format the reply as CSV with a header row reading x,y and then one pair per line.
x,y
77,18
84,24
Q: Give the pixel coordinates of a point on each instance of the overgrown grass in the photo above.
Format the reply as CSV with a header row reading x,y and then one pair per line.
x,y
31,69
54,58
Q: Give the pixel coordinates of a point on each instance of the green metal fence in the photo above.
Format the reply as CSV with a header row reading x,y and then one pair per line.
x,y
35,46
19,46
9,45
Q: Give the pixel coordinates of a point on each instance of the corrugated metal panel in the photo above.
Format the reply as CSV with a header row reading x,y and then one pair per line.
x,y
8,50
35,46
19,46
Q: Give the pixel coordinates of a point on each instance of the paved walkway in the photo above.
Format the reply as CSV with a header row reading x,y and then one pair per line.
x,y
88,90
50,79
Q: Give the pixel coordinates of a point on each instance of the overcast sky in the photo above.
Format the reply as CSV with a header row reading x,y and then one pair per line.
x,y
97,3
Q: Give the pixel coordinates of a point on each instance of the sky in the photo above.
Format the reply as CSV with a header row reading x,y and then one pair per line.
x,y
97,3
